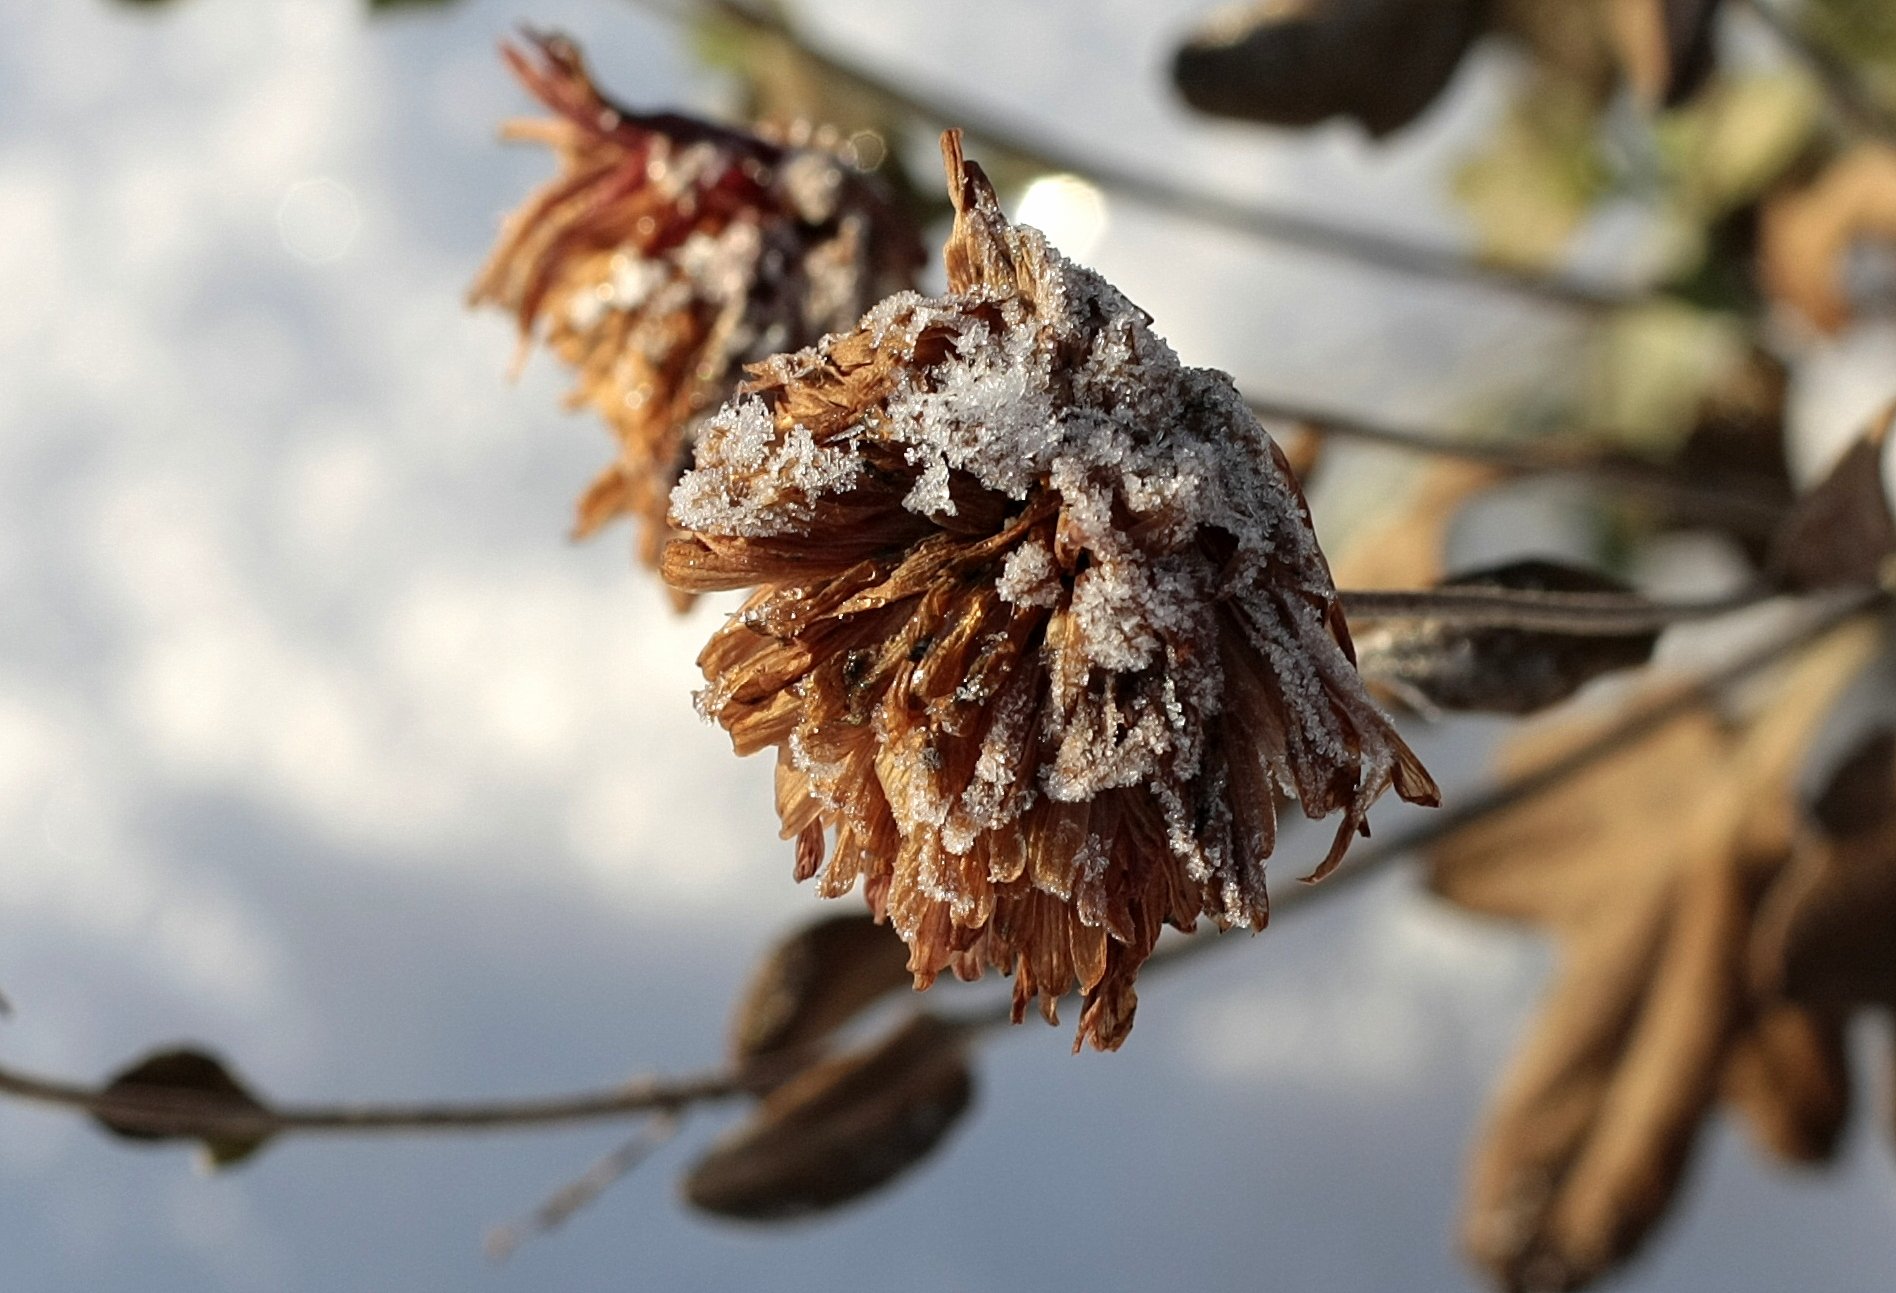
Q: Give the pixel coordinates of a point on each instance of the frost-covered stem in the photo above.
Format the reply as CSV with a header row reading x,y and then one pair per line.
x,y
1738,510
1537,611
1249,218
1846,91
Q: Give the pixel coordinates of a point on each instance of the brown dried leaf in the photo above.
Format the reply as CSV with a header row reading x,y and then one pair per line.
x,y
183,1083
815,981
1644,866
1788,1075
1381,62
1827,936
1433,665
1664,46
1804,234
1839,534
839,1129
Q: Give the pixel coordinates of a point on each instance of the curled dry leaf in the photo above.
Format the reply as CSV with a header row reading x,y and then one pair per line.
x,y
1296,63
1839,533
815,981
1645,867
1434,665
171,1087
1805,234
1827,936
840,1129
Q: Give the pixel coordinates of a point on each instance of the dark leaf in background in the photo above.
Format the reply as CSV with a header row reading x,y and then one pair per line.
x,y
1840,534
815,981
1736,447
839,1129
1502,671
185,1082
1665,46
1381,62
1828,935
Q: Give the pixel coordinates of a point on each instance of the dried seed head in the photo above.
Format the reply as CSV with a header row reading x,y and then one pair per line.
x,y
1040,628
666,255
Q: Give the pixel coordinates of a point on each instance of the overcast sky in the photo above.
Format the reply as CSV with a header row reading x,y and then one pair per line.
x,y
321,744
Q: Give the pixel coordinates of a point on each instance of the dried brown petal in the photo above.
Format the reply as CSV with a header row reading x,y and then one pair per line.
x,y
1040,626
1434,665
840,1129
815,981
181,1083
1840,533
669,253
1381,62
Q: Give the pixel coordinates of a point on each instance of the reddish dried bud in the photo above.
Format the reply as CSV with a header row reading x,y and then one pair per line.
x,y
669,253
1040,628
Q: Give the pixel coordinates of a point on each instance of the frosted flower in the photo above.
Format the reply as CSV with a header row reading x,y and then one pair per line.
x,y
1040,630
666,255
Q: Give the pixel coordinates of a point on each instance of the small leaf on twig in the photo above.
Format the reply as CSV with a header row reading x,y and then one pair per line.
x,y
1508,671
839,1129
815,981
167,1090
1381,62
1839,534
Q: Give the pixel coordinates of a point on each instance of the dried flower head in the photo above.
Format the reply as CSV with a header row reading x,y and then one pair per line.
x,y
669,253
1040,627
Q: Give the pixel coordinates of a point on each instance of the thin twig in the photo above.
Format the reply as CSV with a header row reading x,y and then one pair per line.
x,y
1539,611
1848,95
1744,511
184,1113
578,1193
1249,218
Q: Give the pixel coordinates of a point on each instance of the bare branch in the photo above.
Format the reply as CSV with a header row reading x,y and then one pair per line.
x,y
1744,512
1249,218
1539,611
190,1114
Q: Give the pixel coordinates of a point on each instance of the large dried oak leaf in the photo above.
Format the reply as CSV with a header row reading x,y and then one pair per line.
x,y
1645,867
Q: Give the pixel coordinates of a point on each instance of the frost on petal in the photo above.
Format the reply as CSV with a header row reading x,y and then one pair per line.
x,y
1038,623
